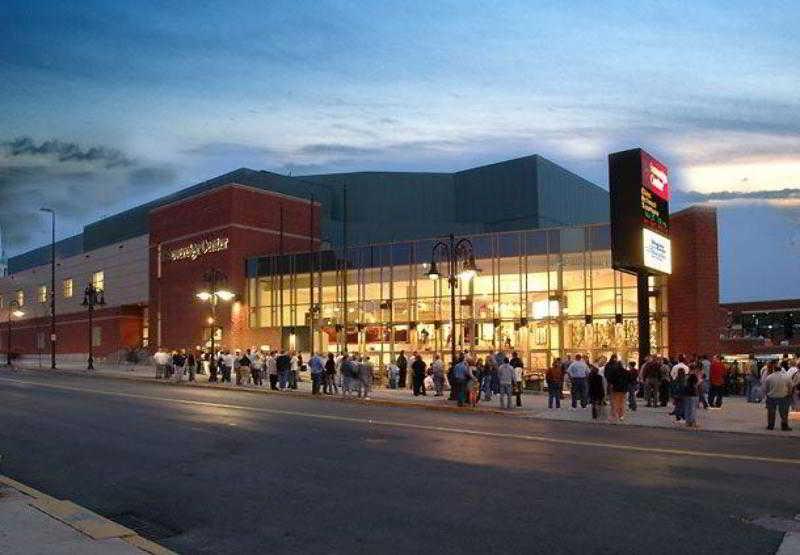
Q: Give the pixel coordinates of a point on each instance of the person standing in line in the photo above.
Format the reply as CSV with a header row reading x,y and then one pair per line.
x,y
213,367
751,382
393,374
717,381
516,364
689,401
229,363
474,387
365,375
283,365
663,390
271,369
618,379
191,365
200,360
555,384
489,377
633,384
681,365
597,391
355,382
702,384
577,372
402,365
678,391
778,393
437,373
505,373
241,365
499,358
161,359
259,366
330,376
178,362
418,377
317,373
651,374
295,363
459,382
347,369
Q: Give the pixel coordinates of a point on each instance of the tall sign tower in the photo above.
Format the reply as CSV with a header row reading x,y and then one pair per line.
x,y
640,242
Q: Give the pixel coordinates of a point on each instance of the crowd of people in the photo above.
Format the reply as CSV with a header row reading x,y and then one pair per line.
x,y
470,380
685,384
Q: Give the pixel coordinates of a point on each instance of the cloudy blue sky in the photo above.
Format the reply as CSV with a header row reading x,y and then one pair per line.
x,y
107,104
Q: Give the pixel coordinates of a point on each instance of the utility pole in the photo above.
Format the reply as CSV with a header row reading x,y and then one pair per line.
x,y
344,250
52,286
280,272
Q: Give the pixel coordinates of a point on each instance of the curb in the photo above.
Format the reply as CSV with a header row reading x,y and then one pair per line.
x,y
83,520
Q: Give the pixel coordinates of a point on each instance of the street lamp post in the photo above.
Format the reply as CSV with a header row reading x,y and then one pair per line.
x,y
11,312
212,296
52,286
459,260
92,296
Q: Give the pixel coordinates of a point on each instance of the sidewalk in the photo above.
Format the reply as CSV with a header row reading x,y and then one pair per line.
x,y
736,415
34,523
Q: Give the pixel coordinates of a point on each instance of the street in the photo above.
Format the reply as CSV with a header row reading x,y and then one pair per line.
x,y
210,471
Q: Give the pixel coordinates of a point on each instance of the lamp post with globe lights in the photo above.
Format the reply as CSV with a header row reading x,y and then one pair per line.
x,y
212,295
92,296
458,262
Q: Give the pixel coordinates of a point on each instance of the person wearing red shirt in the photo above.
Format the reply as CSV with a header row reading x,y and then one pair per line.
x,y
717,380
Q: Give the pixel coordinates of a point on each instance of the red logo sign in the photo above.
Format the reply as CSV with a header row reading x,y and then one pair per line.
x,y
655,176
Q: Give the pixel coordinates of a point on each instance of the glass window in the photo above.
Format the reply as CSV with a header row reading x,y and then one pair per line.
x,y
41,294
573,275
145,327
2,301
97,336
20,297
99,280
67,283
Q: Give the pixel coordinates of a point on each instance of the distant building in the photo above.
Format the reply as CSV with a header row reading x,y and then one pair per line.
x,y
761,327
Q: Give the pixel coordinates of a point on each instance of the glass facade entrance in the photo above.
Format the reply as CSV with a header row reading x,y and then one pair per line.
x,y
544,293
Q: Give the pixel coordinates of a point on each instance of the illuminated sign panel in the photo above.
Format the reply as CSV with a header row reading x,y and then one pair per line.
x,y
656,252
640,191
193,251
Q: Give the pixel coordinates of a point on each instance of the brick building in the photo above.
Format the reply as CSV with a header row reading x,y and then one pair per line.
x,y
289,247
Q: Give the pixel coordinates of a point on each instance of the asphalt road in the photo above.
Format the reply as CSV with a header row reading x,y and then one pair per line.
x,y
232,472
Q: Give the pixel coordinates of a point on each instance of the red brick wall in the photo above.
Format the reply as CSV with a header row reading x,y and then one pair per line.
x,y
693,287
121,327
250,220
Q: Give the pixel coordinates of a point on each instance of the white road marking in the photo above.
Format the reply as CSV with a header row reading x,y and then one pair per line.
x,y
421,427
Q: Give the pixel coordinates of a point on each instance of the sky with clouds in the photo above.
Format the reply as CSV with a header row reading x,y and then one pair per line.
x,y
108,104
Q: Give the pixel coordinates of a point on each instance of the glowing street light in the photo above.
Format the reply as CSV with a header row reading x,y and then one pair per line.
x,y
212,295
16,313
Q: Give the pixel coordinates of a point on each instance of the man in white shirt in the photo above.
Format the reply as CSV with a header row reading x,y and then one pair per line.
x,y
578,371
505,375
161,358
778,391
681,364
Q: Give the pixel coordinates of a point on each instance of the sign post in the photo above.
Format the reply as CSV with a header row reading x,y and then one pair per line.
x,y
640,240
